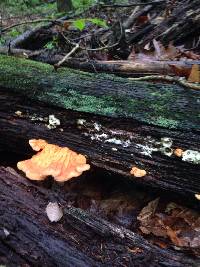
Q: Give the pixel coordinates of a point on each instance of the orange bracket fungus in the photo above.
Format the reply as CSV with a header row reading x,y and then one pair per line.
x,y
59,162
138,172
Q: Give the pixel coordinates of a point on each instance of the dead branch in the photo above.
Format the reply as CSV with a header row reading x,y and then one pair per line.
x,y
67,56
168,79
133,4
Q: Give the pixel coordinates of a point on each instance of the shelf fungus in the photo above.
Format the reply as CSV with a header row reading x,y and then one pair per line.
x,y
138,172
59,162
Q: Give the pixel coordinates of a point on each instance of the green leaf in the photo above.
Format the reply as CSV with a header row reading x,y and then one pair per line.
x,y
99,22
79,24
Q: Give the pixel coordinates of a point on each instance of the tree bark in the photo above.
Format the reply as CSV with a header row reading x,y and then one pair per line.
x,y
78,239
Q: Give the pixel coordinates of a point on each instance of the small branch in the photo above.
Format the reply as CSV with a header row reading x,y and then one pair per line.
x,y
29,22
77,46
169,79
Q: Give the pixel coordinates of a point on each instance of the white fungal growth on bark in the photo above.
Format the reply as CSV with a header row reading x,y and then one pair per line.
x,y
54,212
81,121
191,156
53,122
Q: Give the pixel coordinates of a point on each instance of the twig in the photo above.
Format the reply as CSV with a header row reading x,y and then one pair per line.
x,y
135,15
99,48
76,47
131,5
169,79
29,22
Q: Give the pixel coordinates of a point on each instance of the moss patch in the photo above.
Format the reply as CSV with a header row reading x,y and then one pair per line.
x,y
166,105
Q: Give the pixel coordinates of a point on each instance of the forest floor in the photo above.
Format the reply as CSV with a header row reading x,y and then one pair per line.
x,y
110,36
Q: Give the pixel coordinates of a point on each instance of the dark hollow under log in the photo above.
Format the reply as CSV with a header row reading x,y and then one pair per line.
x,y
112,144
27,238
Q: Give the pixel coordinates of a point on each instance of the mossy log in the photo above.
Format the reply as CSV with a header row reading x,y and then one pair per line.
x,y
28,238
164,105
112,144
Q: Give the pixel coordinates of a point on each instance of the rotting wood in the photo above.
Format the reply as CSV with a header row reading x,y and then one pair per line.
x,y
120,67
27,233
115,145
165,105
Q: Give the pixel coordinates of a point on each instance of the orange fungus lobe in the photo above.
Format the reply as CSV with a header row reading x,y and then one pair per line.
x,y
59,162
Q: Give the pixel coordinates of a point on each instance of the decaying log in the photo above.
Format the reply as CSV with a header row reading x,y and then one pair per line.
x,y
33,39
129,68
165,105
78,239
114,144
119,67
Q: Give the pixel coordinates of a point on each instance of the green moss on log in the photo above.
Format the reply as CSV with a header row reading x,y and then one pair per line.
x,y
165,105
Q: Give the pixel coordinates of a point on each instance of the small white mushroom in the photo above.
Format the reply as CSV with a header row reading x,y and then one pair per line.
x,y
54,212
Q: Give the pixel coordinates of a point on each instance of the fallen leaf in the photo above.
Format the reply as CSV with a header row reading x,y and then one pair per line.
x,y
195,74
181,225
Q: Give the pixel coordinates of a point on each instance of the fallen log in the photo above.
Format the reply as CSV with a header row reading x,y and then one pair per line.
x,y
120,67
114,144
164,105
28,238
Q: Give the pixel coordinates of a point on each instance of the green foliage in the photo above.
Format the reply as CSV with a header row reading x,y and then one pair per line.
x,y
28,7
52,44
14,33
80,23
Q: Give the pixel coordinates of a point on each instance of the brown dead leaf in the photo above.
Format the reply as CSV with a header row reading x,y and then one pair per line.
x,y
159,53
148,211
142,19
191,55
181,225
180,71
195,74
